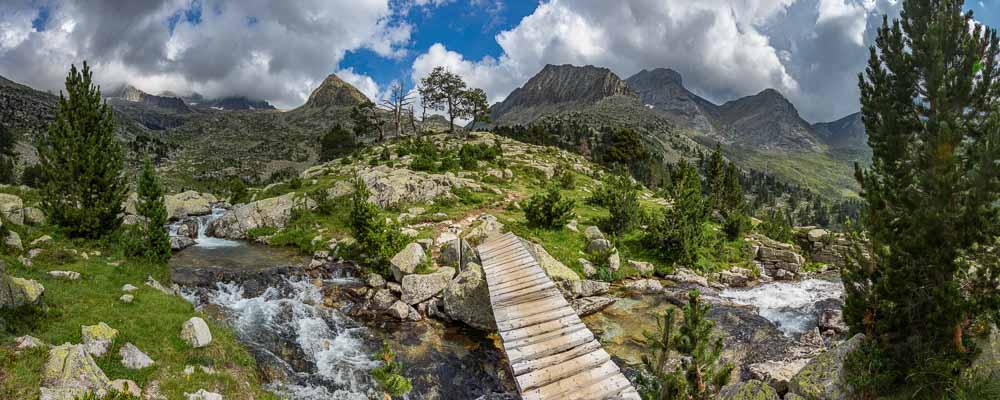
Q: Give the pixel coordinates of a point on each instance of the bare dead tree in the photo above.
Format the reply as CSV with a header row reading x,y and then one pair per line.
x,y
413,122
399,100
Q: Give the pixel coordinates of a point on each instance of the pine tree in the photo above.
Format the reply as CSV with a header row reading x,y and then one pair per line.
x,y
150,206
82,162
679,234
701,373
7,142
337,142
930,97
715,175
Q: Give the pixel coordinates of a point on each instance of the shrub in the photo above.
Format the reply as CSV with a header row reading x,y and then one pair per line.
x,y
679,235
389,374
33,176
565,177
471,154
339,141
548,210
777,227
238,191
735,224
621,197
378,239
295,183
155,241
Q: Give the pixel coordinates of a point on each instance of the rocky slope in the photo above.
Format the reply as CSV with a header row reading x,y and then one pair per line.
x,y
767,121
559,88
151,111
663,90
846,137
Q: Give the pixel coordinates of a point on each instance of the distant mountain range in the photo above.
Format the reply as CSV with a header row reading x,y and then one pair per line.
x,y
763,131
207,139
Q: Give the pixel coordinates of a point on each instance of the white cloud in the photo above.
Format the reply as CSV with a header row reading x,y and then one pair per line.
x,y
724,49
258,48
364,83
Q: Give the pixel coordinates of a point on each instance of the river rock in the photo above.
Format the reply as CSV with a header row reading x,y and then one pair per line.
x,y
777,373
824,377
643,267
67,275
749,390
453,257
553,268
98,338
196,333
375,280
825,247
13,241
644,286
583,288
127,386
735,277
12,208
382,299
17,292
485,226
178,243
27,342
403,311
34,216
590,305
593,233
406,261
467,299
684,275
778,260
273,212
189,203
832,319
203,394
70,372
420,287
133,358
588,267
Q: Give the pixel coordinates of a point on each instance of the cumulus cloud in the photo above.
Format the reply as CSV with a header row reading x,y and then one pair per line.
x,y
811,50
258,48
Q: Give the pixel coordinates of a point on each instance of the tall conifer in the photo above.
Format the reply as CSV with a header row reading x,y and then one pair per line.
x,y
156,240
82,161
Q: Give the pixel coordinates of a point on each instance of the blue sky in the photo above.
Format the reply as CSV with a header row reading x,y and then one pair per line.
x,y
809,50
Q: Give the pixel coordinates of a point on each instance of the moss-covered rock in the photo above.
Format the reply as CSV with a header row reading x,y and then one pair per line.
x,y
98,338
824,377
17,292
70,372
749,390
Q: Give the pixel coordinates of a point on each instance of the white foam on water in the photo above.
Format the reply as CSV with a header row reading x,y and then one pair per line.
x,y
203,240
789,305
329,340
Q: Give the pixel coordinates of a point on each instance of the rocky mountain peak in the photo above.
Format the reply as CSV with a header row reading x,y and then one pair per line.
x,y
662,89
335,92
560,87
660,75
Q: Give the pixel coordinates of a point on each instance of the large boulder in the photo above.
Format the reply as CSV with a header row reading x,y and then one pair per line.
x,y
420,287
274,212
17,292
590,305
188,203
749,390
583,288
553,268
98,338
70,372
406,261
13,241
12,208
453,255
34,216
824,378
196,333
178,243
467,299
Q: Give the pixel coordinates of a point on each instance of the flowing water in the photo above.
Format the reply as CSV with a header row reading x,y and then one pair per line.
x,y
791,306
309,351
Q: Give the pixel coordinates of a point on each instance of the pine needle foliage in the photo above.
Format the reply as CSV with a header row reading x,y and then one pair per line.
x,y
679,234
549,210
930,101
156,241
700,372
82,162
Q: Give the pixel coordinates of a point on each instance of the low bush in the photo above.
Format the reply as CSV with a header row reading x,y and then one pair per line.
x,y
548,210
389,374
377,239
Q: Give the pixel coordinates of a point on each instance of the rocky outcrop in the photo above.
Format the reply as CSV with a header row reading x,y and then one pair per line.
x,y
749,390
420,287
467,299
552,267
824,377
274,212
12,208
195,332
189,203
825,247
71,372
406,261
556,88
98,338
777,260
393,186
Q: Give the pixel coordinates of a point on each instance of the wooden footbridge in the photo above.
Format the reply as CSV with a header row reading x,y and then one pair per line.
x,y
551,352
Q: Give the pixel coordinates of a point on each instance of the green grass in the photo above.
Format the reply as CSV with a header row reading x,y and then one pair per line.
x,y
152,323
819,172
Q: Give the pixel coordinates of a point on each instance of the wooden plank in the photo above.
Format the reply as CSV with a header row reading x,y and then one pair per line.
x,y
529,309
539,363
514,282
601,390
515,275
515,260
539,329
549,347
558,372
569,384
512,268
500,248
534,320
528,297
510,297
565,331
534,281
